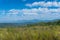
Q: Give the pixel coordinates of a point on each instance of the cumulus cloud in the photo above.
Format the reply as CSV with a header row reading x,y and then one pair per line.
x,y
43,12
30,14
44,4
13,11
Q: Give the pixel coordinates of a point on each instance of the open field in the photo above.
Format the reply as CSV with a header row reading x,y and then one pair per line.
x,y
31,33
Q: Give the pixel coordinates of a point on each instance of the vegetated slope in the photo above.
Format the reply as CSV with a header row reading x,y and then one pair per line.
x,y
37,31
29,24
31,33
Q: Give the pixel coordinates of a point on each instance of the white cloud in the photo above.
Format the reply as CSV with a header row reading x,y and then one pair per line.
x,y
30,11
42,13
13,11
34,13
44,4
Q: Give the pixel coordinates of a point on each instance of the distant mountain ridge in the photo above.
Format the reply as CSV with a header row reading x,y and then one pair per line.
x,y
30,22
25,21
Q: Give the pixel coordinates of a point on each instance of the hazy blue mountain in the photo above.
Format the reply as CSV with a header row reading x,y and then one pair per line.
x,y
25,21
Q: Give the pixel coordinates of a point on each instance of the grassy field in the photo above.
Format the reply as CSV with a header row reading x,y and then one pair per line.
x,y
31,33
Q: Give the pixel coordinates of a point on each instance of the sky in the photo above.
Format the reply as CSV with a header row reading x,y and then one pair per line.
x,y
15,10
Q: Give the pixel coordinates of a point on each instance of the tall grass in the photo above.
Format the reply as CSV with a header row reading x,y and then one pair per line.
x,y
31,33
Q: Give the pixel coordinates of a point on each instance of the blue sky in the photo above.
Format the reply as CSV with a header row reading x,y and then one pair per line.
x,y
14,10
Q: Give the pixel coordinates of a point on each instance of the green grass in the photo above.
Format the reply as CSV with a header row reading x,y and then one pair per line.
x,y
31,33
